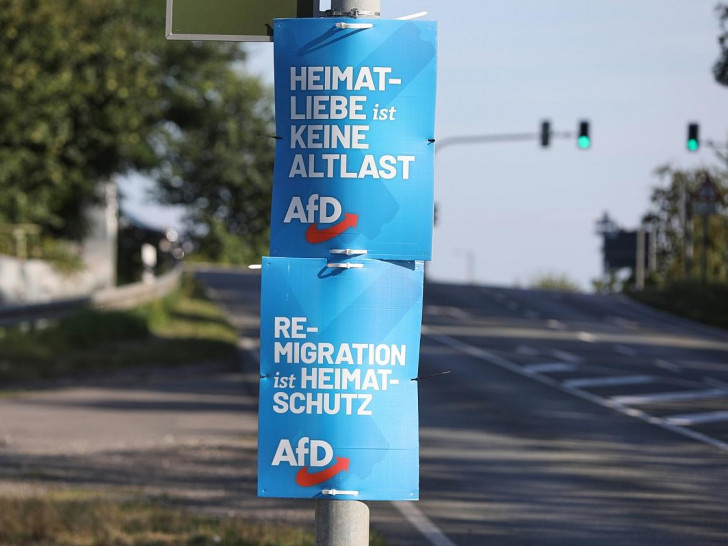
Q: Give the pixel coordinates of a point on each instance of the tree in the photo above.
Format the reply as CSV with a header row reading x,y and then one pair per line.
x,y
673,218
219,165
720,69
90,89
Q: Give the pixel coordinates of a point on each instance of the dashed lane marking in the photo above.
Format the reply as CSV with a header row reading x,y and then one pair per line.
x,y
423,524
555,324
550,367
667,365
615,381
691,419
666,397
482,354
568,357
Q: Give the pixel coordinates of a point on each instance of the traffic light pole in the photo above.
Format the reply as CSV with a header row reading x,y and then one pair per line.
x,y
496,138
345,522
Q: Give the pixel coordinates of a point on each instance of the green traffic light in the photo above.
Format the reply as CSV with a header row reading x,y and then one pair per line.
x,y
584,142
692,145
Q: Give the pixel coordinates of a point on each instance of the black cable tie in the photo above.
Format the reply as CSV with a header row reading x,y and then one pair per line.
x,y
431,376
430,140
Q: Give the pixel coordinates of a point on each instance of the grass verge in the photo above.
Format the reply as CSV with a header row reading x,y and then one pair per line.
x,y
704,303
180,328
74,518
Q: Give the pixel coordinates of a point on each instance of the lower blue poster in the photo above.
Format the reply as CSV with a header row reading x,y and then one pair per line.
x,y
338,401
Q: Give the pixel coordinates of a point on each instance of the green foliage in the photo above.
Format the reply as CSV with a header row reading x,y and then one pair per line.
x,y
83,520
90,88
673,218
704,303
181,328
555,282
720,68
77,518
74,104
222,170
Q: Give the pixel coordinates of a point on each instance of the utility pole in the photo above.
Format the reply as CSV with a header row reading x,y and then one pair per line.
x,y
345,522
365,8
640,265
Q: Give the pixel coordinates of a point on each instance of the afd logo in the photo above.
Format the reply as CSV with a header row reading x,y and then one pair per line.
x,y
309,454
320,210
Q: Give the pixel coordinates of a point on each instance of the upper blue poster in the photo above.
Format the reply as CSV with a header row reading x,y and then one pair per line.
x,y
355,116
339,353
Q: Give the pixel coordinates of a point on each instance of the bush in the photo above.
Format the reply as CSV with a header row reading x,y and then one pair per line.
x,y
705,303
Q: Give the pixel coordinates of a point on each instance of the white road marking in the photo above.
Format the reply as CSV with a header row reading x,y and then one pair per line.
x,y
666,365
545,380
454,312
624,350
555,324
716,382
586,336
660,397
691,419
623,323
423,524
526,350
615,381
568,357
550,367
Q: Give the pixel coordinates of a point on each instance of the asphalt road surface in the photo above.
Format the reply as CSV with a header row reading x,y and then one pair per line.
x,y
566,419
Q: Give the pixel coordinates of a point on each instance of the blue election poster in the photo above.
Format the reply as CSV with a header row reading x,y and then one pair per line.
x,y
355,116
338,401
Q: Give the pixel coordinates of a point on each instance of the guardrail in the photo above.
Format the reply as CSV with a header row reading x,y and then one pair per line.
x,y
117,298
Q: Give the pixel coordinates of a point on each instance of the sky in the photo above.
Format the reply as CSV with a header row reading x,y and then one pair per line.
x,y
638,70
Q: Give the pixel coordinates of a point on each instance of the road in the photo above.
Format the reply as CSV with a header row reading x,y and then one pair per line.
x,y
566,419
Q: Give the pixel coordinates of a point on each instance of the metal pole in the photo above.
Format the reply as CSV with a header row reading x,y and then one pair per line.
x,y
640,266
345,523
688,230
367,8
704,263
342,523
652,251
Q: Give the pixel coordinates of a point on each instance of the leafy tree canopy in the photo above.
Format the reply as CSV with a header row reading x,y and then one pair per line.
x,y
720,69
675,217
90,88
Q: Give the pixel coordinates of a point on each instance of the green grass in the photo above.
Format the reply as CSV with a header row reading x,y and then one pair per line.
x,y
704,303
73,520
81,519
180,328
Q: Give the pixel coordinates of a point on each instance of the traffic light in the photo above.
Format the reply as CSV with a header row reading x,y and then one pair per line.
x,y
545,134
693,142
583,141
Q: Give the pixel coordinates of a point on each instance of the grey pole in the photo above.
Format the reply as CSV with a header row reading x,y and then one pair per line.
x,y
345,523
342,523
640,265
367,8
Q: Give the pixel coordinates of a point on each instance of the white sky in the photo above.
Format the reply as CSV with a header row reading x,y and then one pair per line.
x,y
639,70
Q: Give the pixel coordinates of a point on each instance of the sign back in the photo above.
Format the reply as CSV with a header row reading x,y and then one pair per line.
x,y
230,20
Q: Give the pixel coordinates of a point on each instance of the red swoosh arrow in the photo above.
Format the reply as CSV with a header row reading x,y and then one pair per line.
x,y
305,479
315,235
